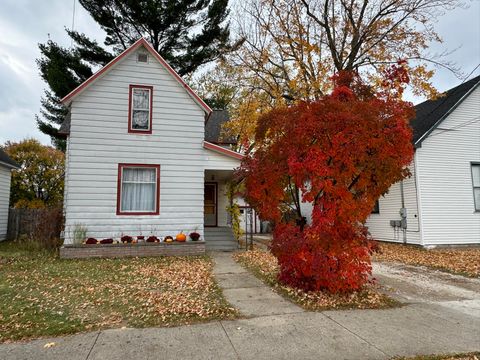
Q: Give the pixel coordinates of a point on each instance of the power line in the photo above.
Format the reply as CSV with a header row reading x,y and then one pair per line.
x,y
73,21
459,126
476,67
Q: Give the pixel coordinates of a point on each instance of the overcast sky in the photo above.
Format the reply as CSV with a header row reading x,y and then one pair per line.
x,y
25,23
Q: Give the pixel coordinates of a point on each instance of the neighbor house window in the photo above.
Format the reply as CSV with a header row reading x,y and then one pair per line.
x,y
138,189
476,185
140,109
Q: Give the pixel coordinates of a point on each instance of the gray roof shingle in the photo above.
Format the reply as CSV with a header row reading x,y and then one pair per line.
x,y
213,128
5,160
430,113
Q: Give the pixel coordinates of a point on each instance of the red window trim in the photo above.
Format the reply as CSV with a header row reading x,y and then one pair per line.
x,y
119,189
130,91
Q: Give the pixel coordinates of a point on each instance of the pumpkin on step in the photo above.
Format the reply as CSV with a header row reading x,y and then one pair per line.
x,y
181,237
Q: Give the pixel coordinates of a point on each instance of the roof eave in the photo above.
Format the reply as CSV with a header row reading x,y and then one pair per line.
x,y
11,166
233,154
418,143
83,86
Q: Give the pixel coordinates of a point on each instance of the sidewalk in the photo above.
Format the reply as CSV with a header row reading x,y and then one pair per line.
x,y
246,292
276,329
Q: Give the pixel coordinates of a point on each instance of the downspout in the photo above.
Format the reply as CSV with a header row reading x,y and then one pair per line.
x,y
403,214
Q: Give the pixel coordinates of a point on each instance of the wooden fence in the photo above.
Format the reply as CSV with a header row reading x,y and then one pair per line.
x,y
34,224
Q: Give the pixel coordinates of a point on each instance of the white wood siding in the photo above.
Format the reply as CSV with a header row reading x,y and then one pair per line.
x,y
5,178
99,141
216,161
445,180
390,205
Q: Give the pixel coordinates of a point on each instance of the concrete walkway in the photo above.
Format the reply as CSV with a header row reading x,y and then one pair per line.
x,y
246,292
276,329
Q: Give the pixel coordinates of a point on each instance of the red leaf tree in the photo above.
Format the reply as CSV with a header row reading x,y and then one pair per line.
x,y
340,153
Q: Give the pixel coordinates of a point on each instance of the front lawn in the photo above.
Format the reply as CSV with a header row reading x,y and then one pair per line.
x,y
457,261
41,295
264,265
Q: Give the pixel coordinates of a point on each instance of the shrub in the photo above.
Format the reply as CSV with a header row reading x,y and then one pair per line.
x,y
153,239
126,239
91,241
335,258
194,236
79,233
106,241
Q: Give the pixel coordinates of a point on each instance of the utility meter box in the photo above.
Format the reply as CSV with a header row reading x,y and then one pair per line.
x,y
403,212
395,223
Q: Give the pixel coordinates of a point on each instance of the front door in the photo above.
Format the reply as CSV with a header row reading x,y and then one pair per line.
x,y
210,204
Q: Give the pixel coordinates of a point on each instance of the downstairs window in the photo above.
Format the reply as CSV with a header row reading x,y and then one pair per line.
x,y
138,189
476,185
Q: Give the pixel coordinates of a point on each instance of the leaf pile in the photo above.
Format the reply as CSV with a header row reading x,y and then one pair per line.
x,y
458,261
264,265
45,296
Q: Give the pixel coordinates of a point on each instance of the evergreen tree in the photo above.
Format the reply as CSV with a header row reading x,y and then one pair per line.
x,y
187,33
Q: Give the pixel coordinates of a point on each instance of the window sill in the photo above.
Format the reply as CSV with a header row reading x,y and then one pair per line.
x,y
137,213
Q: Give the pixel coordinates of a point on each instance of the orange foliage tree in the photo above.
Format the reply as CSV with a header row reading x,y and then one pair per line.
x,y
340,153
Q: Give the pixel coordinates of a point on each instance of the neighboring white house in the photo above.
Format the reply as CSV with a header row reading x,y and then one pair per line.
x,y
442,197
138,158
6,166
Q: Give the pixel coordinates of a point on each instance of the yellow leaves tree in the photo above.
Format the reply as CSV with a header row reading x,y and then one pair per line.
x,y
39,181
290,49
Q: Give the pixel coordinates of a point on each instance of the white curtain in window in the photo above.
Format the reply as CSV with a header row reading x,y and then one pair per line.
x,y
141,99
140,119
139,189
141,109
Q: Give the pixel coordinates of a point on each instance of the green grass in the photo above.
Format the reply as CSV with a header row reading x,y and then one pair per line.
x,y
42,295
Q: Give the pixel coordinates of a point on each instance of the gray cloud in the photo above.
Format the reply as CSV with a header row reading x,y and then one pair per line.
x,y
25,23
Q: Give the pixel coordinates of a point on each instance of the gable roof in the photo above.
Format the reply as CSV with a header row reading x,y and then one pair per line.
x,y
6,161
430,113
221,150
140,42
213,128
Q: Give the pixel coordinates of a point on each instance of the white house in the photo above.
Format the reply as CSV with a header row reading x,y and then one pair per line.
x,y
6,166
441,200
141,157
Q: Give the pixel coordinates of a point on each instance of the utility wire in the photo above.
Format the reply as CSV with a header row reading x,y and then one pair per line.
x,y
73,22
459,126
446,97
476,67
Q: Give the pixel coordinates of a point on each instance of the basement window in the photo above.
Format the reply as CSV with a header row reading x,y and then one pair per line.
x,y
476,185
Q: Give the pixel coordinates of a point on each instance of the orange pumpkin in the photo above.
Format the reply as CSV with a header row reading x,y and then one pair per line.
x,y
181,237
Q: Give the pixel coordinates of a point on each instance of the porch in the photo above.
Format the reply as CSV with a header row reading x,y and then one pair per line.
x,y
218,233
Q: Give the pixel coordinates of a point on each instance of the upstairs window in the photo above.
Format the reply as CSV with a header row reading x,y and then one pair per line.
x,y
376,208
476,185
138,189
140,109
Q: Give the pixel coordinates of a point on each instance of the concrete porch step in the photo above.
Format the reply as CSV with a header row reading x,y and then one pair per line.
x,y
219,239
